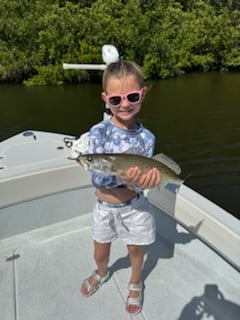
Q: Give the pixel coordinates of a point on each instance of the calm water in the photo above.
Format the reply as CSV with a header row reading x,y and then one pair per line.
x,y
196,120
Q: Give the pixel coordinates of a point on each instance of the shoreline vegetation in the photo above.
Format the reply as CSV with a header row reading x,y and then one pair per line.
x,y
166,38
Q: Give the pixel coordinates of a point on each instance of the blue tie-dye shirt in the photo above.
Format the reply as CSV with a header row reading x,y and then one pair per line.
x,y
105,137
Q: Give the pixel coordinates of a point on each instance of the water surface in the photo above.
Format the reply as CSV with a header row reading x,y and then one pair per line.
x,y
195,119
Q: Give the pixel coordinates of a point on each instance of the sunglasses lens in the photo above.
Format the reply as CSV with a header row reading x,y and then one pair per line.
x,y
114,101
133,97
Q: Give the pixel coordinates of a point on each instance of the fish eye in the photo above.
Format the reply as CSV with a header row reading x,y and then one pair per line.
x,y
89,158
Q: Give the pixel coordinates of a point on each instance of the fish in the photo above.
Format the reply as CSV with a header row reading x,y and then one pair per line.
x,y
118,163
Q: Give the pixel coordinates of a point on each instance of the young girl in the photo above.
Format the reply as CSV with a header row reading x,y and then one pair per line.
x,y
121,209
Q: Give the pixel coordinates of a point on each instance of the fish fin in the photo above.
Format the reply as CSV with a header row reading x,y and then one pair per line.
x,y
167,161
131,151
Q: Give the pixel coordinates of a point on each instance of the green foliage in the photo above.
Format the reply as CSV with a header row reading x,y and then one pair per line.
x,y
166,37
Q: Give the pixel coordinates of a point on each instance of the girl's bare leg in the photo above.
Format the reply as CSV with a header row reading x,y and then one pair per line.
x,y
136,258
101,256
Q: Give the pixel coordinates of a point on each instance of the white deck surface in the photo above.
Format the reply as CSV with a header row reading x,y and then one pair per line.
x,y
43,283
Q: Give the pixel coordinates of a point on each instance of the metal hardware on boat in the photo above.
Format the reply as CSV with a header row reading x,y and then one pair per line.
x,y
2,167
15,256
109,54
75,66
30,134
68,141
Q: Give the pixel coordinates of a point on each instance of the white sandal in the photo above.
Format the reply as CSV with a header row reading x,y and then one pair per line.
x,y
92,288
135,301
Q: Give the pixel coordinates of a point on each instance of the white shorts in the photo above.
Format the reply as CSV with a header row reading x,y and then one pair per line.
x,y
132,222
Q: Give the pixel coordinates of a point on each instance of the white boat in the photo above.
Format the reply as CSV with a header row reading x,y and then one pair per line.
x,y
191,271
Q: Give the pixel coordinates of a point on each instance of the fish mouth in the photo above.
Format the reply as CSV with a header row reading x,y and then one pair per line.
x,y
79,160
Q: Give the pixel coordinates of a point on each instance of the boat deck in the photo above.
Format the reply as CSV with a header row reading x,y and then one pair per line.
x,y
46,248
42,270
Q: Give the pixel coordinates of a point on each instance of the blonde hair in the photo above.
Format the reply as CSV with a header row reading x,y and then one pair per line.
x,y
120,69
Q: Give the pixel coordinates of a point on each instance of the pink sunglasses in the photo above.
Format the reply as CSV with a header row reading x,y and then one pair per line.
x,y
133,97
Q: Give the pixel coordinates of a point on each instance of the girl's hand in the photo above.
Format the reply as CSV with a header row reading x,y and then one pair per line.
x,y
150,179
147,180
